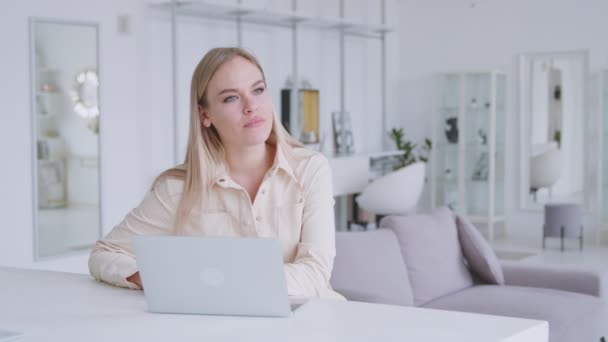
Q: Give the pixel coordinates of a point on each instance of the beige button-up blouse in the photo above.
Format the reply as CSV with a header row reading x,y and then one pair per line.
x,y
294,204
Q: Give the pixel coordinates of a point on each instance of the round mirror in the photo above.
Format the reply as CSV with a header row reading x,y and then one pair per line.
x,y
84,94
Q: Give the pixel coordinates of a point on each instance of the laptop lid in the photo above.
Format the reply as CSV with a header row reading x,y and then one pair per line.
x,y
212,275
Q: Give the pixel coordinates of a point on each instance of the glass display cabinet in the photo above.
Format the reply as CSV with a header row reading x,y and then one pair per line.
x,y
469,146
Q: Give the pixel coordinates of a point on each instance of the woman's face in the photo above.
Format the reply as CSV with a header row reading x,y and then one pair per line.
x,y
239,106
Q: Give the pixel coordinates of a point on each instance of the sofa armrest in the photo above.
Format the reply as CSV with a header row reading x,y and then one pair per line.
x,y
586,281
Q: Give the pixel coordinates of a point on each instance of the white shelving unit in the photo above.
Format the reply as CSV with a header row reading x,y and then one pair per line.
x,y
293,19
468,145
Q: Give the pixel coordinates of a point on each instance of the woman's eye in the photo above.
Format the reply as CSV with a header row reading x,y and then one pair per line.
x,y
229,99
259,90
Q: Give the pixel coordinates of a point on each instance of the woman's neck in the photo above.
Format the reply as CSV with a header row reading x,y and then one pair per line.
x,y
248,166
253,160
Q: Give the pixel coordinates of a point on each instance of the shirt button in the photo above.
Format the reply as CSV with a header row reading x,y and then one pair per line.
x,y
263,191
258,218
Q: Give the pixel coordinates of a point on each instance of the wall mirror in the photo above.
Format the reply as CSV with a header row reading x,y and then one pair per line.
x,y
65,136
553,108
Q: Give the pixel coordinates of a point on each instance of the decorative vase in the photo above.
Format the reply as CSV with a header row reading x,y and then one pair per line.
x,y
451,130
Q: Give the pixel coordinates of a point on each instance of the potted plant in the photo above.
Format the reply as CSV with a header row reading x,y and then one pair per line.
x,y
412,152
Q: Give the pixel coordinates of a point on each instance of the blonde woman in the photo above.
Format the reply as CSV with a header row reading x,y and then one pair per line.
x,y
243,175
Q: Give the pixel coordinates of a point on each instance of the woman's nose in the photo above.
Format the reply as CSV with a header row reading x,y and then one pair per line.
x,y
250,105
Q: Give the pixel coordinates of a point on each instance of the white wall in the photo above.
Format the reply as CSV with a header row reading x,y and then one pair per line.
x,y
445,35
135,94
119,167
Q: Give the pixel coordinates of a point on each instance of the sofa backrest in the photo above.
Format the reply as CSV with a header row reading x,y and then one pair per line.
x,y
431,252
369,268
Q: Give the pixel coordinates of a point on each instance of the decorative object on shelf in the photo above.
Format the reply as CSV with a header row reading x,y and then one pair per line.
x,y
474,103
51,184
343,133
483,138
306,127
413,152
51,170
557,137
85,97
451,130
482,167
448,174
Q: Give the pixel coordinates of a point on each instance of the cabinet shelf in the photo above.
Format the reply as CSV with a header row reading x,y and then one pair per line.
x,y
272,17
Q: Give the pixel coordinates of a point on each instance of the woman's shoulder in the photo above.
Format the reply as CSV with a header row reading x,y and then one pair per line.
x,y
170,182
308,164
308,157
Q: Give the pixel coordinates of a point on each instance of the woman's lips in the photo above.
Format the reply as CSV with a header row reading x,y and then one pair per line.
x,y
254,123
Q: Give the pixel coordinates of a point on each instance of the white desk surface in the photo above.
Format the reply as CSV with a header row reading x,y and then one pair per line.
x,y
53,306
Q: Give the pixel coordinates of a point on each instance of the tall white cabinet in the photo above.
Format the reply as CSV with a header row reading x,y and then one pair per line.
x,y
468,155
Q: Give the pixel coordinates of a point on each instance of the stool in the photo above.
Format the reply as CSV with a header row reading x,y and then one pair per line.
x,y
563,220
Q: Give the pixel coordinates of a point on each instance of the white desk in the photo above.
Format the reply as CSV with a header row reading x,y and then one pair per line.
x,y
52,306
351,173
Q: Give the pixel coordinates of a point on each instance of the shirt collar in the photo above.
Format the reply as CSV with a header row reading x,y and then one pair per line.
x,y
281,162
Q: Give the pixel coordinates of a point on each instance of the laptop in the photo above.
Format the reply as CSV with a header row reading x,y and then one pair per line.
x,y
212,275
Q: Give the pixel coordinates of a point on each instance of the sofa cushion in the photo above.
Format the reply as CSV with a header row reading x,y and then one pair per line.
x,y
571,316
432,254
368,268
478,253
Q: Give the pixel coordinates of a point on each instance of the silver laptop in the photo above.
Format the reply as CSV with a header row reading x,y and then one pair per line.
x,y
212,275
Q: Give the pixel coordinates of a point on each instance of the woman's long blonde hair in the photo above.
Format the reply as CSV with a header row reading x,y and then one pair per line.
x,y
205,150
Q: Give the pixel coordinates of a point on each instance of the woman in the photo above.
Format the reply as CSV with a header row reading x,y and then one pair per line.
x,y
243,176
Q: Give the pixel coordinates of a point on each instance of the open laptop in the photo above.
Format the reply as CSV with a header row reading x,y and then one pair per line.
x,y
212,275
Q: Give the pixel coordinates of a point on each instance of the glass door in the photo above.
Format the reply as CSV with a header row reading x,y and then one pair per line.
x,y
447,135
478,109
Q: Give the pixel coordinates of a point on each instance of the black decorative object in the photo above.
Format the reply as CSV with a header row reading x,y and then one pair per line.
x,y
483,138
451,130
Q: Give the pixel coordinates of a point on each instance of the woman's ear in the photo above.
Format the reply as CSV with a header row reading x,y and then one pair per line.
x,y
204,116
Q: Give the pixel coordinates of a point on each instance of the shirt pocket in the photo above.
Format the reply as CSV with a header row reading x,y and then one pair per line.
x,y
289,222
217,223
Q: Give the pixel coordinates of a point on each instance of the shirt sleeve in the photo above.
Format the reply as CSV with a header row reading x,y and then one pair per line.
x,y
308,275
112,259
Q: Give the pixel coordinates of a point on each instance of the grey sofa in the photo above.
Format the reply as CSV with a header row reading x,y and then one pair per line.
x,y
372,267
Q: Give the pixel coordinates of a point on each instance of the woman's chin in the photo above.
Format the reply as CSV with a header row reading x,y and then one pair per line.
x,y
256,139
256,136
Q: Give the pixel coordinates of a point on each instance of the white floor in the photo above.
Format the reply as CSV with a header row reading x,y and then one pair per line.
x,y
593,256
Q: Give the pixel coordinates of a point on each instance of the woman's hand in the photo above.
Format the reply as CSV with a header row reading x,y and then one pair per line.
x,y
135,279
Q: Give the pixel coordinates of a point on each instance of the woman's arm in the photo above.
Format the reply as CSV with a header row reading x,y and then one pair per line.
x,y
309,274
112,259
